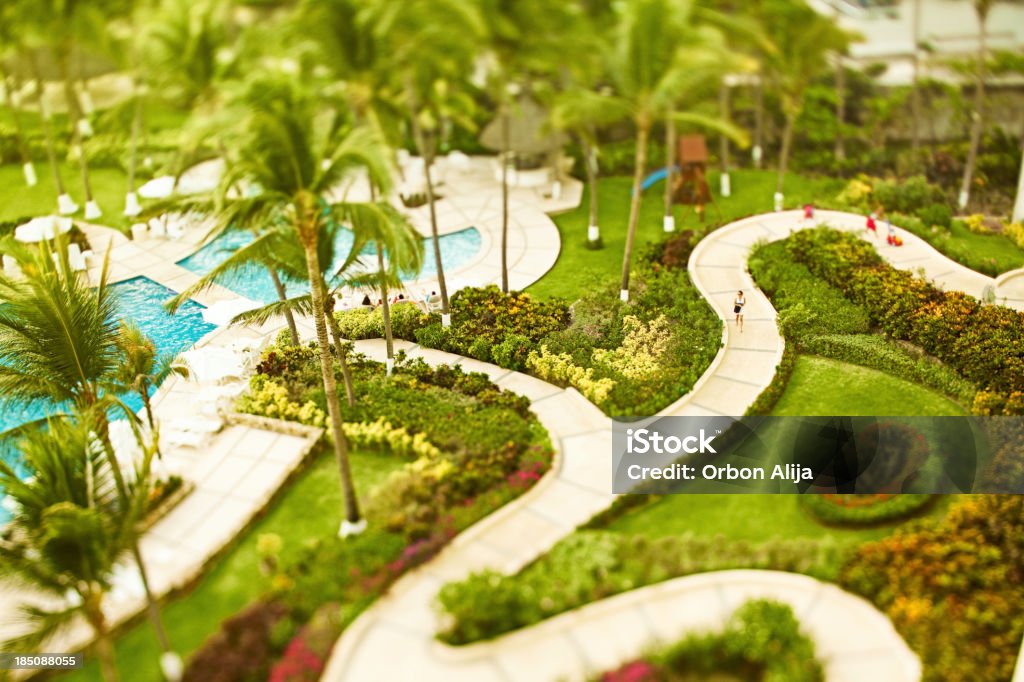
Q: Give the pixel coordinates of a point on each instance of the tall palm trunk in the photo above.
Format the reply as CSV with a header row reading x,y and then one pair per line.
x,y
504,195
724,106
978,114
131,200
63,200
307,233
840,142
640,162
757,150
289,316
787,142
340,350
152,605
593,230
11,86
75,115
428,157
915,89
669,221
1018,205
385,308
104,645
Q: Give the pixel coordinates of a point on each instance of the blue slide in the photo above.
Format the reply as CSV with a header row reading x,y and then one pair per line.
x,y
655,177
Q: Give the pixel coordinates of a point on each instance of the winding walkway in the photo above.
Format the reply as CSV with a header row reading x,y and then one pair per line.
x,y
395,638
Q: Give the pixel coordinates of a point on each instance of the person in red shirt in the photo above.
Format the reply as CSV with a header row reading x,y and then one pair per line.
x,y
872,225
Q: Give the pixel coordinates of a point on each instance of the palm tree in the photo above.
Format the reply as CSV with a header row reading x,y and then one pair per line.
x,y
296,158
70,529
399,249
59,345
660,54
142,368
582,112
431,45
981,10
276,250
803,39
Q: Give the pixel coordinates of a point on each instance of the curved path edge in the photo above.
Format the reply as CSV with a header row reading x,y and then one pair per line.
x,y
394,638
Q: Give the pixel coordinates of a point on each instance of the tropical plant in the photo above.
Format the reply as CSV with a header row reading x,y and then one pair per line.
x,y
662,50
59,343
803,40
295,156
982,8
142,368
430,46
71,528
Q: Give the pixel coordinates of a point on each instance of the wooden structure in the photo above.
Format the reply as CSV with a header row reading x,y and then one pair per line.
x,y
690,187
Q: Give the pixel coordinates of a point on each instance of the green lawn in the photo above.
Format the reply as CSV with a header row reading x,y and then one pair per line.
x,y
578,266
17,200
996,247
819,386
309,508
743,517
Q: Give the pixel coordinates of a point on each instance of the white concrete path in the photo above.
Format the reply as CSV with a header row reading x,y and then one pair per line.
x,y
394,639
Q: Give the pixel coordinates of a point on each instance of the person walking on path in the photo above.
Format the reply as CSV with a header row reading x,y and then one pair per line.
x,y
872,225
737,308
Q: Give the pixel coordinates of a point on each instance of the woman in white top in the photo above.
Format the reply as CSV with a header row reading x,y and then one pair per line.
x,y
737,307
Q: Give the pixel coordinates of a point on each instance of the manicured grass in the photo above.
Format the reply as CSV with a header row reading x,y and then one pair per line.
x,y
995,247
752,518
819,386
309,508
17,200
578,266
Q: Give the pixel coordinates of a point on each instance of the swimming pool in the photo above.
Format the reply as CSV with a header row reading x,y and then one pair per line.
x,y
140,300
457,249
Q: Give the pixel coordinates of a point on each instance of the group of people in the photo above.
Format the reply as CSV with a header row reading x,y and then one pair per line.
x,y
368,302
891,238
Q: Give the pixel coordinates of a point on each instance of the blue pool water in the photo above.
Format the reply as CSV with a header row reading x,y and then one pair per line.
x,y
457,249
141,300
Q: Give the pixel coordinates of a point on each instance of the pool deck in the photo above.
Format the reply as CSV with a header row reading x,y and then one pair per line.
x,y
470,197
237,471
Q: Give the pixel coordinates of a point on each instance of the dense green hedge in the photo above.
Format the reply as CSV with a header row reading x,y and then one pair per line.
x,y
983,342
816,318
762,641
591,565
863,510
626,358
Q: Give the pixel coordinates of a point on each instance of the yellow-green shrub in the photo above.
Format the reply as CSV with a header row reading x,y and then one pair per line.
x,y
381,434
560,369
267,398
642,349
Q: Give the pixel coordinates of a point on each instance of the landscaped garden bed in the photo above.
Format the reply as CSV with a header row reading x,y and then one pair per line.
x,y
444,448
762,641
591,565
626,358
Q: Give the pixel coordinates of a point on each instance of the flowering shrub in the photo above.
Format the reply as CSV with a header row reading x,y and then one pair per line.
x,y
381,435
976,224
268,398
952,589
642,349
306,654
560,369
982,342
762,641
241,649
1015,232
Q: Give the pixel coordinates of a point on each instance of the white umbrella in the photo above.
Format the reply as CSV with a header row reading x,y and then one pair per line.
x,y
45,227
222,312
212,364
157,188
